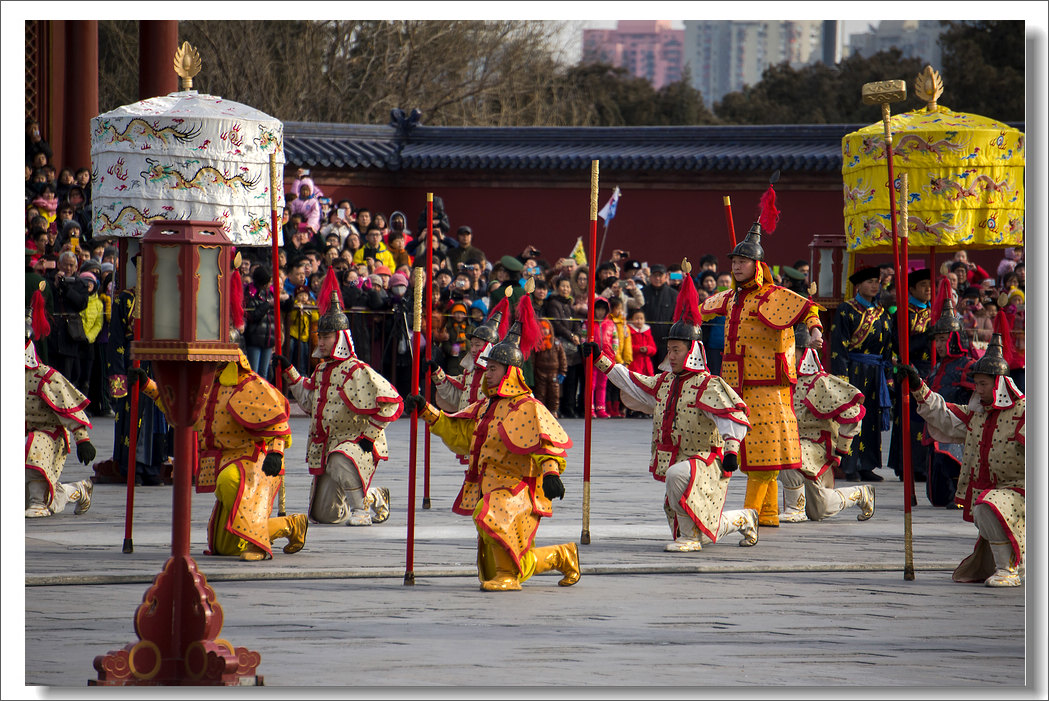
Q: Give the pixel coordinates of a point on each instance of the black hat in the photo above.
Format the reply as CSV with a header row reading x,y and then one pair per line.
x,y
992,362
334,319
947,323
657,268
508,351
916,276
750,246
463,230
489,330
865,274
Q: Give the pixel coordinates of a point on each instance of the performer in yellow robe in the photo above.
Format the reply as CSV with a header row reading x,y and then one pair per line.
x,y
242,432
758,362
517,455
54,413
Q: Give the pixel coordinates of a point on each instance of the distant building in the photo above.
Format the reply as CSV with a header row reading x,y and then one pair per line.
x,y
649,49
724,55
914,38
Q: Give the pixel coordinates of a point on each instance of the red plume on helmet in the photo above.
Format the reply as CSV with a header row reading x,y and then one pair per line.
x,y
687,306
943,292
504,322
1009,352
331,284
768,215
531,333
236,299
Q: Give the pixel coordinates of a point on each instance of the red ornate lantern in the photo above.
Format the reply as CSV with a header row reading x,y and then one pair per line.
x,y
185,333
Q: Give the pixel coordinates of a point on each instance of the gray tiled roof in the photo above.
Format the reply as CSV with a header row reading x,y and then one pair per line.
x,y
730,148
814,148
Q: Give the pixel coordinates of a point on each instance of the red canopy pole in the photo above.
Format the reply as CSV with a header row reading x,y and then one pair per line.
x,y
903,333
418,282
274,228
728,220
584,538
429,342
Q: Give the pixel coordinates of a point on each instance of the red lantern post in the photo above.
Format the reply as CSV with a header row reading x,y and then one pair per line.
x,y
185,333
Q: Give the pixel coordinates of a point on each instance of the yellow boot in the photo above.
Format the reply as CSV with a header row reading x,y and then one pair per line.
x,y
757,497
505,578
252,553
293,528
564,558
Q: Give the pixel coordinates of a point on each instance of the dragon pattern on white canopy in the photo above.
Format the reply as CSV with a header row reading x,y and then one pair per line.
x,y
185,155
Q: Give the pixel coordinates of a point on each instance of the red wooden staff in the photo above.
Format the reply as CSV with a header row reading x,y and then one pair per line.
x,y
728,220
418,279
584,538
429,343
883,93
274,228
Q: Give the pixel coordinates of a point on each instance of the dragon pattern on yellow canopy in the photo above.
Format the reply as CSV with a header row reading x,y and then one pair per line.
x,y
965,179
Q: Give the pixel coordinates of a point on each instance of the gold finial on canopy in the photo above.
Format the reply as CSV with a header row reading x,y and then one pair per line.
x,y
928,86
686,267
187,64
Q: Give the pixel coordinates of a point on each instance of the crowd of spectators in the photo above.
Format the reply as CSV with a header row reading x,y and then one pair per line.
x,y
373,253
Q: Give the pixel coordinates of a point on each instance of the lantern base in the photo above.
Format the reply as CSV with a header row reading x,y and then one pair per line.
x,y
177,622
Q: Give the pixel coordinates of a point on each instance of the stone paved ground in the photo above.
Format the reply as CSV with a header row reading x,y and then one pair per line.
x,y
813,604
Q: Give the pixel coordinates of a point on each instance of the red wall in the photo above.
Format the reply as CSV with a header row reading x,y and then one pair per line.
x,y
653,225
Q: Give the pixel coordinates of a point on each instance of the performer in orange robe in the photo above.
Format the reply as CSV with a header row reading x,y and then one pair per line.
x,y
517,455
242,432
759,362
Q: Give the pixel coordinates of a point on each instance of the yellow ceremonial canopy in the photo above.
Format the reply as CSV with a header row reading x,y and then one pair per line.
x,y
965,179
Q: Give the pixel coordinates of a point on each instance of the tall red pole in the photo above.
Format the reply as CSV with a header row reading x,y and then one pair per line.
x,y
274,228
584,537
418,282
728,220
903,333
429,342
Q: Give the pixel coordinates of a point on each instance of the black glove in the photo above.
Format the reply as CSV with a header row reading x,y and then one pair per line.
x,y
912,375
85,452
553,486
433,365
282,362
730,463
136,376
366,444
271,464
414,402
589,348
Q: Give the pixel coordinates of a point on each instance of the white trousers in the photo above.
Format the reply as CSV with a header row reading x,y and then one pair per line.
x,y
36,493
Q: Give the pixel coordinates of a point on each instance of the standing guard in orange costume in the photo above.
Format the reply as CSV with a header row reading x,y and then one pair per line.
x,y
759,364
517,455
242,432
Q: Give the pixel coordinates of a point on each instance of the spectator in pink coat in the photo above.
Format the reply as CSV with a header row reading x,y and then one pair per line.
x,y
641,340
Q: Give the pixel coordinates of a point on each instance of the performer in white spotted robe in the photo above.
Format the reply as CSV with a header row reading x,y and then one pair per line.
x,y
992,481
350,405
829,412
54,413
698,422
